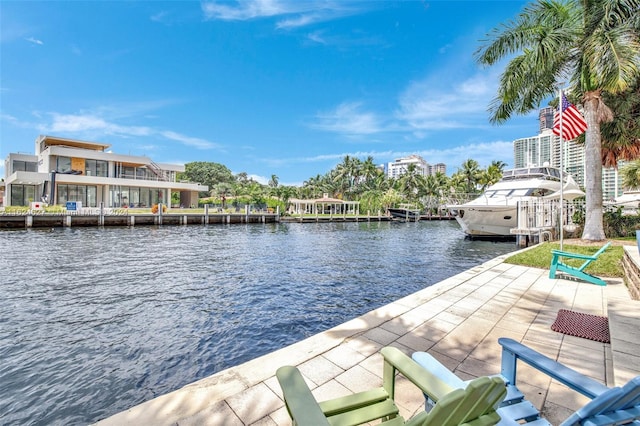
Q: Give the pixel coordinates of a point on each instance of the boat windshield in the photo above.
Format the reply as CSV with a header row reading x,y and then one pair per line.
x,y
547,173
522,192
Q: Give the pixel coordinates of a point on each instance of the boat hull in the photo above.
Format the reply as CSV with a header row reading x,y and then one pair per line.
x,y
486,221
404,214
494,213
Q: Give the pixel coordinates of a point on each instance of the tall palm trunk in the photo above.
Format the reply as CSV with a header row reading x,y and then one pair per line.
x,y
595,112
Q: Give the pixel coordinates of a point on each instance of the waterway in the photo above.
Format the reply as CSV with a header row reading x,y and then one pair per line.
x,y
96,320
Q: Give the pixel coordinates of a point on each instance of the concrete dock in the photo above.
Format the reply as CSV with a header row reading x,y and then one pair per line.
x,y
458,320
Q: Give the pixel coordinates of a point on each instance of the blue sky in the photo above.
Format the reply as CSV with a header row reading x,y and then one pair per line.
x,y
264,87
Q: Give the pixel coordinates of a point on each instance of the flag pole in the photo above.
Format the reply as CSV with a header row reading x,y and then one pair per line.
x,y
561,169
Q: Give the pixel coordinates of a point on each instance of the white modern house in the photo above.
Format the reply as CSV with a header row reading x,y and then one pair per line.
x,y
66,170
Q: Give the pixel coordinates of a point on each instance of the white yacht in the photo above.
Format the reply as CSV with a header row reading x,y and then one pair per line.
x,y
629,201
493,214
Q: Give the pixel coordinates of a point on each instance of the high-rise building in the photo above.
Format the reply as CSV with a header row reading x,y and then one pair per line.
x,y
546,118
397,168
437,168
544,148
612,181
534,150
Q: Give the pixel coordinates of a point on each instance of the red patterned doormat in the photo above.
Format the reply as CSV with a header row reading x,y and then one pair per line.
x,y
592,327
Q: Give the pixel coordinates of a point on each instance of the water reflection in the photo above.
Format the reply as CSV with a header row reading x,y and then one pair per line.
x,y
97,320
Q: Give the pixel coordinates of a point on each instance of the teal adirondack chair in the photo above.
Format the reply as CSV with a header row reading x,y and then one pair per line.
x,y
473,406
557,265
608,406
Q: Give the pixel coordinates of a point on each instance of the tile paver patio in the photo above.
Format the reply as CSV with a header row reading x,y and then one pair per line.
x,y
458,320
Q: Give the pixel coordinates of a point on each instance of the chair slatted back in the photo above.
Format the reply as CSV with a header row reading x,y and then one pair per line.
x,y
623,402
631,395
474,405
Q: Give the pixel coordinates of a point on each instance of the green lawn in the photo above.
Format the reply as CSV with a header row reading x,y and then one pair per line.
x,y
609,264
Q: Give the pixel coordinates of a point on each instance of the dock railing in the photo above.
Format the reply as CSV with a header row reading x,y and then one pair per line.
x,y
540,216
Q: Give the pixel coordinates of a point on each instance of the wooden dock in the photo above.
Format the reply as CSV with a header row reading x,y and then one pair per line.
x,y
39,219
53,220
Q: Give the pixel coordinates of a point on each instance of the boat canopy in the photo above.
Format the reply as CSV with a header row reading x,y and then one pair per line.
x,y
532,172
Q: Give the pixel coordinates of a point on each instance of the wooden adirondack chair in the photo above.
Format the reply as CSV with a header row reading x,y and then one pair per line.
x,y
558,265
473,406
608,406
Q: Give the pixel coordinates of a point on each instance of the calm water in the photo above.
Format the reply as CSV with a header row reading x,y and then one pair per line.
x,y
93,321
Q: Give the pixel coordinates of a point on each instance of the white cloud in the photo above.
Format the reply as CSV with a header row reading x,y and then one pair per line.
x,y
293,13
232,11
74,123
95,126
317,37
424,105
189,141
349,119
35,41
160,16
432,104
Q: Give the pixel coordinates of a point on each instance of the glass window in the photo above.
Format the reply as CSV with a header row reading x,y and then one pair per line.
x,y
17,195
92,198
63,164
74,194
18,166
63,192
90,167
24,166
102,168
134,197
145,200
124,197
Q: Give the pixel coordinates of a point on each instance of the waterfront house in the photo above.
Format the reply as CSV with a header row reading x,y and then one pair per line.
x,y
88,173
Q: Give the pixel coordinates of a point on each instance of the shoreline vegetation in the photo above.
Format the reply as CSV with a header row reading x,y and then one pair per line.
x,y
609,264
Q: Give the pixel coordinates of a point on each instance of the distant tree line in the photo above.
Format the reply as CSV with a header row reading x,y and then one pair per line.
x,y
351,180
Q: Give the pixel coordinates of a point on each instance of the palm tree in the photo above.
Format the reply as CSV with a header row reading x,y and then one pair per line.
x,y
492,174
498,165
311,188
631,175
621,137
411,182
369,172
347,174
273,182
594,45
471,172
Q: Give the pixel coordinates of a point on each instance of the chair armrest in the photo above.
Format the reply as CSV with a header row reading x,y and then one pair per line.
x,y
300,402
574,255
581,256
429,363
513,351
428,382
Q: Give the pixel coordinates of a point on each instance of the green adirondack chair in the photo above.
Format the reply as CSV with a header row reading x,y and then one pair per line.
x,y
608,406
473,406
558,265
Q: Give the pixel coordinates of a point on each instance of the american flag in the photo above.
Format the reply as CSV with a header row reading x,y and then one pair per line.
x,y
573,123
